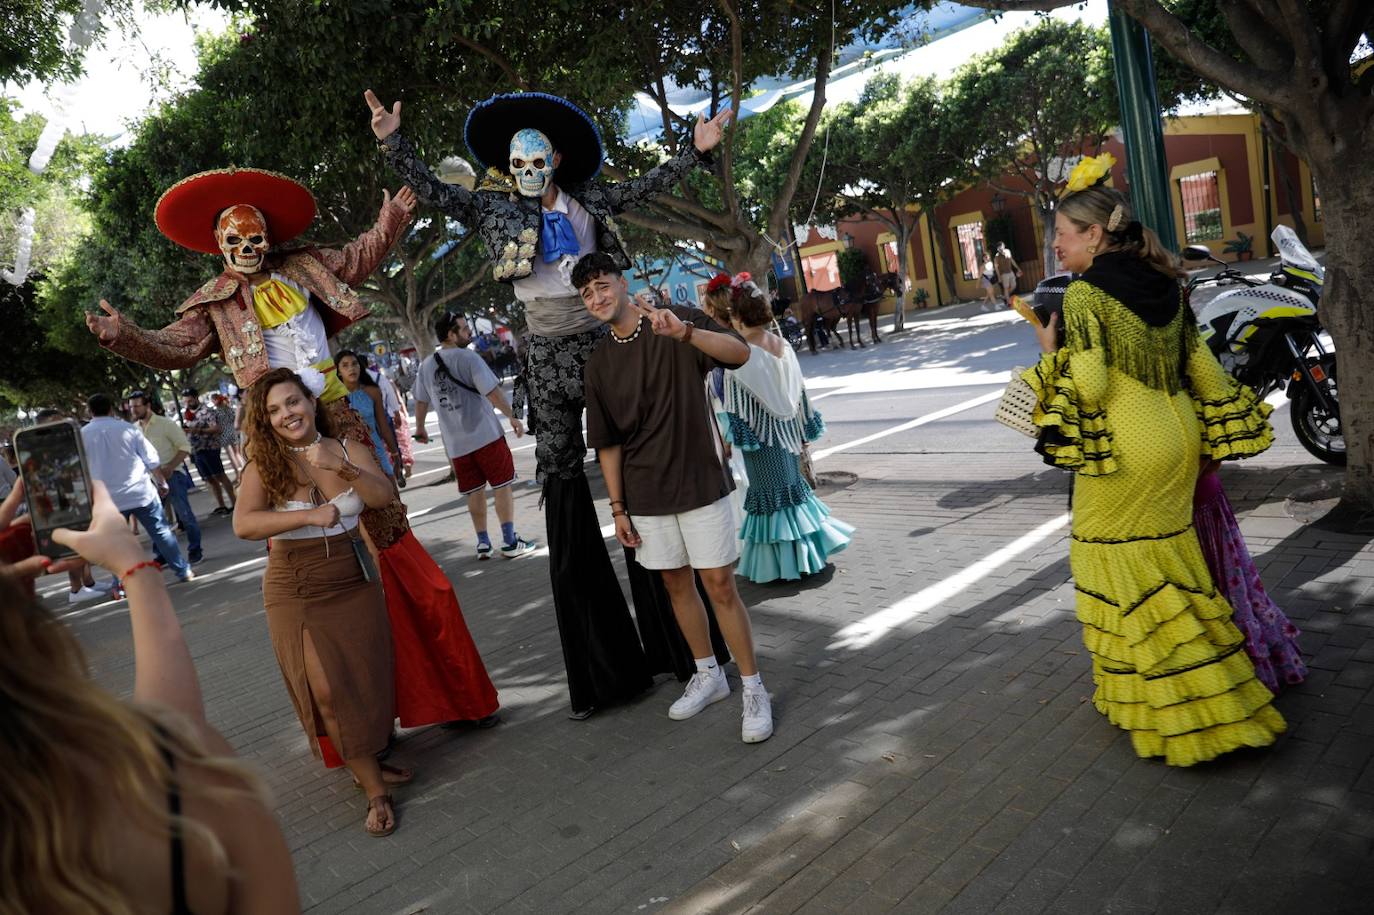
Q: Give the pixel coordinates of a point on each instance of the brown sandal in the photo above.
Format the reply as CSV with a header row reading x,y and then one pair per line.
x,y
375,802
401,777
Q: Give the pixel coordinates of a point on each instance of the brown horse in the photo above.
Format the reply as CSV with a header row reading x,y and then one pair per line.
x,y
829,308
818,308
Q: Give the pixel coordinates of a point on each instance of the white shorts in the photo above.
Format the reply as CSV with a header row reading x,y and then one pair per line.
x,y
703,538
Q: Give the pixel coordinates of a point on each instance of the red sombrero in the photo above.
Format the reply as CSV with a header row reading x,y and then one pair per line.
x,y
187,210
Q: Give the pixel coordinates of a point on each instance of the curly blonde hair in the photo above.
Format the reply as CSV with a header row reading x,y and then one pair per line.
x,y
276,467
70,748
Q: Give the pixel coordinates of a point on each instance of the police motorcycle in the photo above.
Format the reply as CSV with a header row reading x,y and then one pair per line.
x,y
1268,336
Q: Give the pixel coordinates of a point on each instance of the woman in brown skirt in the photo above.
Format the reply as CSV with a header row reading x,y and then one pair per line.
x,y
325,609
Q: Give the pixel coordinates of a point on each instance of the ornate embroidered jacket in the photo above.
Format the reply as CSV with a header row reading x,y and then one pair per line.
x,y
508,223
219,317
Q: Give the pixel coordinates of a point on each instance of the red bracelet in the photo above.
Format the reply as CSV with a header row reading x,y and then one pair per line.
x,y
145,564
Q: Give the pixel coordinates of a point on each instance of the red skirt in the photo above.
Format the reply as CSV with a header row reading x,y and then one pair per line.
x,y
439,674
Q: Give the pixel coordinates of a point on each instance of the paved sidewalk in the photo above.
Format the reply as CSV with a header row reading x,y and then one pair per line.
x,y
954,764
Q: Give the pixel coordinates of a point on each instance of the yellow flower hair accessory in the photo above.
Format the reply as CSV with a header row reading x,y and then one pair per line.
x,y
1089,171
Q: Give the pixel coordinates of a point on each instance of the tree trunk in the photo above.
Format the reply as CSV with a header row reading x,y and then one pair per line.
x,y
419,332
754,260
903,241
1047,258
1349,287
1294,199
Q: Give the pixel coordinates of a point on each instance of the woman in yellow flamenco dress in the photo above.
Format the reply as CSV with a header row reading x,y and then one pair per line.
x,y
1132,402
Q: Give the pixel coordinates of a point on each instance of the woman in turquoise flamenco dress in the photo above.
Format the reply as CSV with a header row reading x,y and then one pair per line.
x,y
1133,403
787,532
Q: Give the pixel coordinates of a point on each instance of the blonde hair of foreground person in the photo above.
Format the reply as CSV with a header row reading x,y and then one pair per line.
x,y
1104,206
84,797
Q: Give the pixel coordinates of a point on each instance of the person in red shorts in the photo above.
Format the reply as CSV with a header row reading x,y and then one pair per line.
x,y
463,390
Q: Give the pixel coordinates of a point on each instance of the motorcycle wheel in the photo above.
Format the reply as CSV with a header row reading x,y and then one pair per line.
x,y
1318,431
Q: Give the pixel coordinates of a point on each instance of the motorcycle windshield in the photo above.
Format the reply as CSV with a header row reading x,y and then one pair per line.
x,y
1294,252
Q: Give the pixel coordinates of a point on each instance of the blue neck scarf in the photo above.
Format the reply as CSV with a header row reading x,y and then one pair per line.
x,y
557,238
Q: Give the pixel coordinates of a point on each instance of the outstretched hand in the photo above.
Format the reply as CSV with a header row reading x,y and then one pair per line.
x,y
661,320
106,326
706,135
384,123
405,198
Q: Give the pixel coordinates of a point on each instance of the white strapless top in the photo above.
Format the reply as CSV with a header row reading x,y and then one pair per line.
x,y
350,506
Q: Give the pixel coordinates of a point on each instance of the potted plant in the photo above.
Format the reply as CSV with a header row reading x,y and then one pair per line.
x,y
922,297
1242,246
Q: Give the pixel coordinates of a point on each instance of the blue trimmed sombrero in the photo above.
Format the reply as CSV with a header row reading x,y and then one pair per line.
x,y
493,122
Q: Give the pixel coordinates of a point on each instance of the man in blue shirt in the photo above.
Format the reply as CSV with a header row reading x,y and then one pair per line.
x,y
122,459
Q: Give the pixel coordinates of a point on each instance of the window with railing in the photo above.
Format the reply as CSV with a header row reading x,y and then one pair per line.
x,y
972,252
1201,195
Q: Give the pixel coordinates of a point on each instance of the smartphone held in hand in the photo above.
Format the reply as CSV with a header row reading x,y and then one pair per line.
x,y
57,481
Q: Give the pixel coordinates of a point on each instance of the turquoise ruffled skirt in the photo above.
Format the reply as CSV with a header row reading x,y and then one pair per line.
x,y
791,543
787,533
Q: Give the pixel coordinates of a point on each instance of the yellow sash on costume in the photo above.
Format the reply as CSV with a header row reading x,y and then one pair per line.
x,y
274,303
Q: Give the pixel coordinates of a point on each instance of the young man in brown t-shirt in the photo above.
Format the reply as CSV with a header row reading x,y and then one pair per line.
x,y
661,456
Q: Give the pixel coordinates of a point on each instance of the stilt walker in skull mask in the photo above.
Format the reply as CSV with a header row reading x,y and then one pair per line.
x,y
538,211
270,307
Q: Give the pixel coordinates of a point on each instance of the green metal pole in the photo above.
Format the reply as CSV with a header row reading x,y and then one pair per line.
x,y
1147,169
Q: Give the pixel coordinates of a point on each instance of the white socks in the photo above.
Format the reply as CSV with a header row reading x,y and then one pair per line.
x,y
710,668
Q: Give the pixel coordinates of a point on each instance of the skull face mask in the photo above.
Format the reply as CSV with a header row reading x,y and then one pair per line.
x,y
532,161
241,232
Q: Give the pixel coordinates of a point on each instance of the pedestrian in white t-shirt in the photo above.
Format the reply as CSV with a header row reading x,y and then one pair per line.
x,y
463,390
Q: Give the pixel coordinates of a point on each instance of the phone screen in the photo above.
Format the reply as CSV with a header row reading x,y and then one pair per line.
x,y
57,482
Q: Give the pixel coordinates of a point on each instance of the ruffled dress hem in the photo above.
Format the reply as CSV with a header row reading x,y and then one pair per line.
x,y
791,543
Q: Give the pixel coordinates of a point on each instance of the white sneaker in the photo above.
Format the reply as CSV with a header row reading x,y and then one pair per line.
x,y
85,594
758,716
702,690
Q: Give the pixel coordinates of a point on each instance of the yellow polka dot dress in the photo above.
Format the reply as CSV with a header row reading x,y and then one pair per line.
x,y
1131,408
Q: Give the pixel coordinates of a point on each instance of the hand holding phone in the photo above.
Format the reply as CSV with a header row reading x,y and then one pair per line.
x,y
106,539
57,481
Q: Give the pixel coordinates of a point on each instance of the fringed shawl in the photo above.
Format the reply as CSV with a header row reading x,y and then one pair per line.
x,y
1153,354
766,393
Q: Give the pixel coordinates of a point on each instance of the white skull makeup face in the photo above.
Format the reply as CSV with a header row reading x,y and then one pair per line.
x,y
532,161
241,232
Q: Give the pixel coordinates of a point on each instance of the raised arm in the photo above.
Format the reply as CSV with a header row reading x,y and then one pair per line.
x,y
724,347
163,672
355,261
626,195
452,199
179,345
